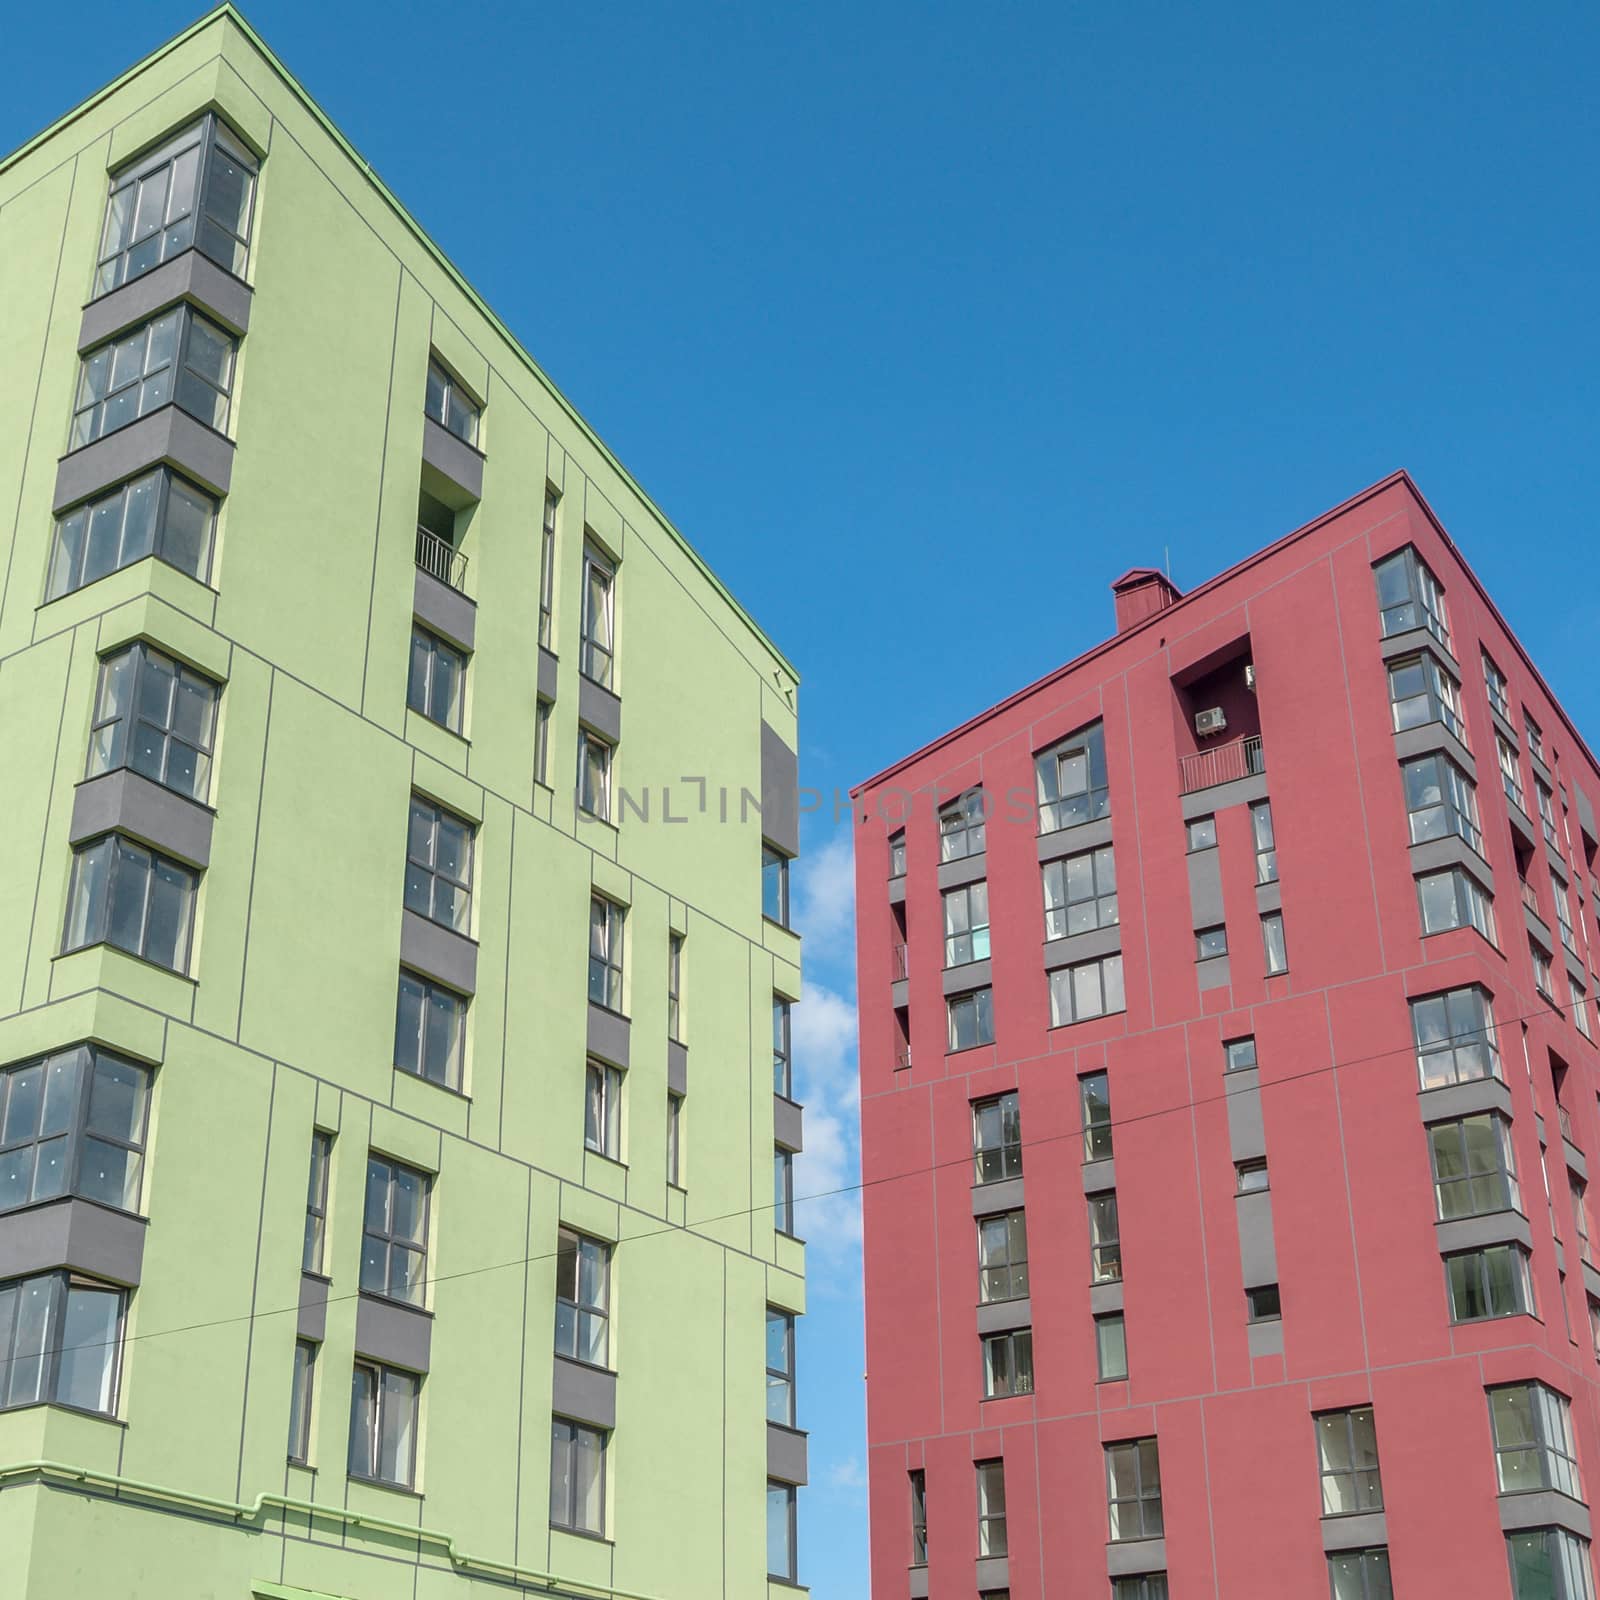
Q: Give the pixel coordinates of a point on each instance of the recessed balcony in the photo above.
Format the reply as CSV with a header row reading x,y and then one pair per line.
x,y
1223,763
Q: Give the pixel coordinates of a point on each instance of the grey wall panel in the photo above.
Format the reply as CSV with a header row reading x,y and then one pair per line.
x,y
1258,1254
190,276
1418,640
1585,812
1362,1532
444,610
601,710
993,1572
1473,1233
1544,1508
1220,796
1205,888
677,1067
1269,897
438,953
167,435
1264,1338
399,1335
1463,1099
127,802
1575,1158
964,979
1213,974
1074,841
917,1583
900,992
1099,1176
1000,1316
72,1233
780,792
1246,1135
788,1123
1128,1557
1438,854
313,1319
1431,736
1104,1297
454,458
990,1199
1076,947
786,1454
548,674
584,1393
897,891
607,1035
964,870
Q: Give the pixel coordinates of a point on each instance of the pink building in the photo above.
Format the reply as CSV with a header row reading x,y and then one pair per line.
x,y
1227,1086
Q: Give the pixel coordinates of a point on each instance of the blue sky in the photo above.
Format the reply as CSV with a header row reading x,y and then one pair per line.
x,y
926,321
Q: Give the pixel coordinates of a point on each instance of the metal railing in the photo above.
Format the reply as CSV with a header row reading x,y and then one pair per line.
x,y
1242,758
1564,1118
897,961
902,1057
440,559
1530,899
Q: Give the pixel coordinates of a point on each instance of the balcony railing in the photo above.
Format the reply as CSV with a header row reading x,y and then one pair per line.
x,y
897,962
1530,899
440,559
902,1057
1242,758
1564,1118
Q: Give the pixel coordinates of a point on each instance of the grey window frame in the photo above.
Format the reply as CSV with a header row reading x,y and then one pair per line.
x,y
997,1138
57,1142
1422,604
48,1354
781,1378
607,952
1545,800
1542,979
116,737
1438,695
774,886
675,986
1107,1370
126,865
1209,943
1233,1051
1141,1586
1063,910
1002,1256
566,1438
783,1190
1455,811
1464,1037
1246,1172
1495,686
547,566
314,1246
378,1378
1080,753
426,871
1143,1505
1568,1561
1105,1238
1578,1189
73,535
1510,772
455,402
1563,917
1474,1275
786,1497
422,683
435,1005
603,1087
594,798
962,941
963,826
897,854
1544,1439
1487,1189
210,139
1263,1303
1274,951
1535,736
302,1388
542,710
675,1108
917,1482
1007,1363
1266,841
1109,983
1470,904
583,1316
1094,1105
597,649
990,1480
979,1003
179,386
1369,1568
395,1245
1350,1485
1200,833
782,1047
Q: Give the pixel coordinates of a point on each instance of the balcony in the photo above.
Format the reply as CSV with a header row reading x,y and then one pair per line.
x,y
897,963
1530,899
440,559
902,1058
1224,763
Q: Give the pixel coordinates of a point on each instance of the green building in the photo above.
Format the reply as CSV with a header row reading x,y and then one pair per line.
x,y
393,914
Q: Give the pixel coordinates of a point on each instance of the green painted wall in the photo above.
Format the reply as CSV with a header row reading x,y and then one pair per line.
x,y
287,1019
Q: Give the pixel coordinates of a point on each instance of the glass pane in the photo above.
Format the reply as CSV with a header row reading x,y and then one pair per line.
x,y
139,528
442,1043
399,1419
23,1105
87,902
32,1328
408,1025
408,1199
590,1480
167,937
104,551
16,1179
88,1362
363,1420
209,353
109,1173
408,1270
60,1092
186,534
561,1474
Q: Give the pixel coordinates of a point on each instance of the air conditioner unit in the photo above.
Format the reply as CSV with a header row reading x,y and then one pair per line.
x,y
1210,721
1249,676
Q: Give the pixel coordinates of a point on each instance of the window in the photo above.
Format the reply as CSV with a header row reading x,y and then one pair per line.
x,y
1080,893
450,405
124,895
195,190
1263,1303
158,717
1094,1102
1111,1346
541,741
394,1245
1409,596
1533,1446
1535,737
1007,1364
1347,1456
383,1424
1473,1171
430,1030
1421,691
1510,772
1580,1007
1202,834
782,1534
1002,1257
1266,842
1580,1215
73,1123
597,640
300,1386
997,1138
780,1367
1360,1574
783,1189
439,865
1147,1586
1454,1032
583,1298
594,775
1541,971
577,1477
782,1068
1547,813
1250,1177
547,566
438,681
961,827
675,987
897,854
774,886
1238,1055
157,514
1549,1564
1071,779
674,1139
1440,801
311,1253
1090,989
1105,1241
971,1018
60,1342
1564,917
1210,943
1272,944
605,952
966,925
602,1109
1453,900
919,1517
1488,1283
1494,683
991,1507
1133,1489
179,356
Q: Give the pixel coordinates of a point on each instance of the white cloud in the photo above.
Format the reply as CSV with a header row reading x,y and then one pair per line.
x,y
825,899
824,1024
846,1474
829,1220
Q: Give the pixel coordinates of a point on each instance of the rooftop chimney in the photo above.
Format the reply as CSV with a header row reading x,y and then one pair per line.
x,y
1140,593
